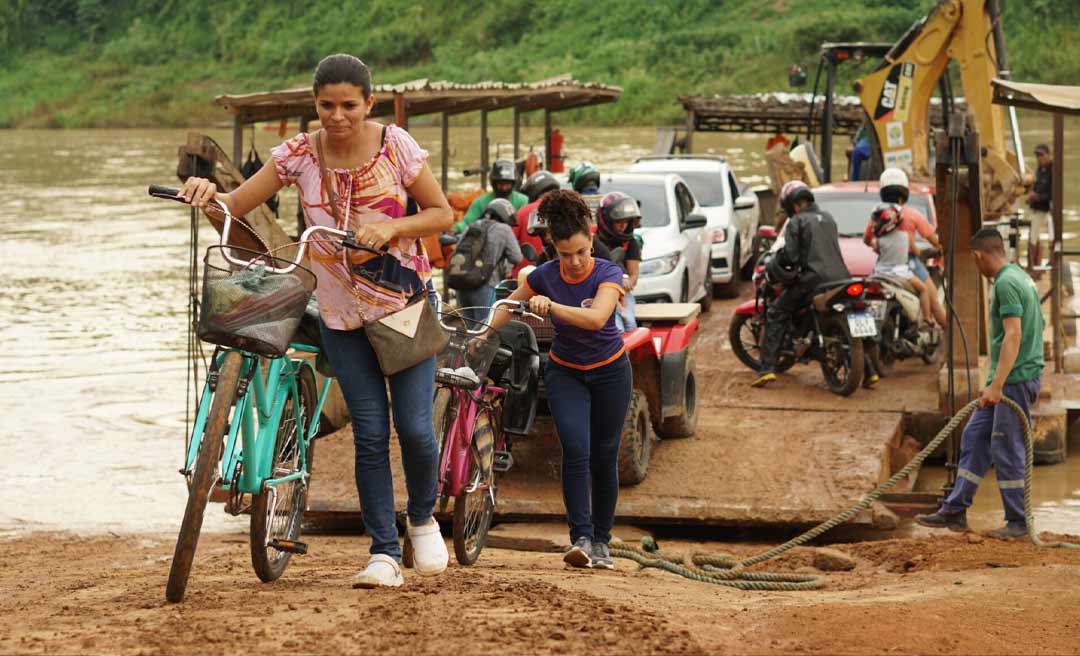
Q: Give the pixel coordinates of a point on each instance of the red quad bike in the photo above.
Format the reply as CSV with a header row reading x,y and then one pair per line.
x,y
664,401
831,330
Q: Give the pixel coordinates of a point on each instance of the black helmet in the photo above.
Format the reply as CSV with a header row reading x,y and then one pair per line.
x,y
503,171
538,184
617,206
794,192
502,211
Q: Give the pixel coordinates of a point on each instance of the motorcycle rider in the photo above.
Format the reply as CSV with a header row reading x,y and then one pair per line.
x,y
585,179
536,186
894,189
503,176
811,253
616,219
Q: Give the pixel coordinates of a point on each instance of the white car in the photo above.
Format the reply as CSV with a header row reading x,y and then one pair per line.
x,y
675,254
731,208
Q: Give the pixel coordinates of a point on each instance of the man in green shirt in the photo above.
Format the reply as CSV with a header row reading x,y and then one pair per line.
x,y
994,435
503,176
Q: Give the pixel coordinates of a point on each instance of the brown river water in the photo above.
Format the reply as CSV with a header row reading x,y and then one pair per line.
x,y
94,278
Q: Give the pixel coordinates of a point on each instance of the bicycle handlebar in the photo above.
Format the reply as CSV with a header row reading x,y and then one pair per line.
x,y
169,193
516,308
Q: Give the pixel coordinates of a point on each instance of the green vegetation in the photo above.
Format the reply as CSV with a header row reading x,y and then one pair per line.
x,y
76,63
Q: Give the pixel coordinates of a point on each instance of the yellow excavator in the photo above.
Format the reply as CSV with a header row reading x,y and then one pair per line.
x,y
896,96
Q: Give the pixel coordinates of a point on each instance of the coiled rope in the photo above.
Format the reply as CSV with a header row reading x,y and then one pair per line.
x,y
726,570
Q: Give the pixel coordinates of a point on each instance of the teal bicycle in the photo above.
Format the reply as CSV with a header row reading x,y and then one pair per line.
x,y
257,415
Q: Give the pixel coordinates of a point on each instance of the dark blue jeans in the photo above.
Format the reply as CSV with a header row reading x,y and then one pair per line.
x,y
479,301
364,388
589,408
994,436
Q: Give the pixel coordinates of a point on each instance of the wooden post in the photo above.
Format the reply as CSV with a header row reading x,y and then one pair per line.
x,y
483,150
1059,266
401,116
967,299
517,134
445,175
688,147
547,138
237,141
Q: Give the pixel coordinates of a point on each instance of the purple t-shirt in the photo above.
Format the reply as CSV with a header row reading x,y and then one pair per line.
x,y
572,346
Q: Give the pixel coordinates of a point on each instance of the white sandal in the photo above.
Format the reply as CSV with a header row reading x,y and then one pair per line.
x,y
382,571
430,556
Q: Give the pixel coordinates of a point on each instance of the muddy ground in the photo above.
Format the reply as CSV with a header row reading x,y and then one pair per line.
x,y
61,593
933,594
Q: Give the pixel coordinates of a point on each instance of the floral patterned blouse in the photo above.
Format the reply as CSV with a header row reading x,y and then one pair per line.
x,y
357,287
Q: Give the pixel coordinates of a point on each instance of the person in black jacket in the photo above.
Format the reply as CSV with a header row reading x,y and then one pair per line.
x,y
812,250
1039,203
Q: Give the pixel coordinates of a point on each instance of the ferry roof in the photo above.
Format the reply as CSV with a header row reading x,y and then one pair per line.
x,y
431,97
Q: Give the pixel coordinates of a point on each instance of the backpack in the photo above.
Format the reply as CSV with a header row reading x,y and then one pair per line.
x,y
468,269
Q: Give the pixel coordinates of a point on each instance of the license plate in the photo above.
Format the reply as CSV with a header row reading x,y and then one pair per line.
x,y
878,309
862,324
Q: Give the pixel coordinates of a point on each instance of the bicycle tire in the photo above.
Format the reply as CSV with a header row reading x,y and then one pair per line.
x,y
473,510
270,563
442,418
202,480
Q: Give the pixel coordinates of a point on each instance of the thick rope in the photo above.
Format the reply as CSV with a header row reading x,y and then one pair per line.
x,y
722,569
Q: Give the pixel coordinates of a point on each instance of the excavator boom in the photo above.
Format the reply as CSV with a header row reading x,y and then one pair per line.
x,y
897,95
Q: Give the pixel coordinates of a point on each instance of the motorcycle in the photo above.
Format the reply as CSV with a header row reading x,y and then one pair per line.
x,y
898,317
830,330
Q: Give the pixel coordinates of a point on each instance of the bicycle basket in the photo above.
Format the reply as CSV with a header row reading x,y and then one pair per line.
x,y
466,359
252,308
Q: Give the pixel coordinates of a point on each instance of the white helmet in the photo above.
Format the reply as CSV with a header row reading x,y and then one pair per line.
x,y
893,186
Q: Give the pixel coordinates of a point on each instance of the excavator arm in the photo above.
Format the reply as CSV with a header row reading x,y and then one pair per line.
x,y
897,95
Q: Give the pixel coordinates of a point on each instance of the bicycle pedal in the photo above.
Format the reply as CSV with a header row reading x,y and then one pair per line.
x,y
290,546
503,461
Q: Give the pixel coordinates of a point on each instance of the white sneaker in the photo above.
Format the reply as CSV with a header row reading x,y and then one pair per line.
x,y
429,550
382,571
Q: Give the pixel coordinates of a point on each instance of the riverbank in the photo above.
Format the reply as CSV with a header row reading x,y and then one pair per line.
x,y
60,593
98,63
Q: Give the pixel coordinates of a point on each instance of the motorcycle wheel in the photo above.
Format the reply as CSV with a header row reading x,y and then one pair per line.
x,y
886,355
842,357
745,338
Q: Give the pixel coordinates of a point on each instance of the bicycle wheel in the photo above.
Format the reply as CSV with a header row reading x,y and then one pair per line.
x,y
473,510
276,513
443,420
204,475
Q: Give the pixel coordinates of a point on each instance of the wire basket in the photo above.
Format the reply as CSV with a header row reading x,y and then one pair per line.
x,y
252,308
466,359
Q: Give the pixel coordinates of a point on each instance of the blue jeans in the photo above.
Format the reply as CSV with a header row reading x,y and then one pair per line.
x,y
918,268
994,435
479,301
364,388
589,408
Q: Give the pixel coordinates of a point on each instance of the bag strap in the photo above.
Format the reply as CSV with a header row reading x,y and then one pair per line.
x,y
327,183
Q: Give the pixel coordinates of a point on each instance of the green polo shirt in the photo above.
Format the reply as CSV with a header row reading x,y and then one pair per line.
x,y
1014,294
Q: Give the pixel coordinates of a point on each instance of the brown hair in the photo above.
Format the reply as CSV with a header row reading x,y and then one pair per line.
x,y
339,68
566,214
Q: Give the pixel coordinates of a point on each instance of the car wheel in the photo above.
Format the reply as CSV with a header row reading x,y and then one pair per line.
x,y
730,289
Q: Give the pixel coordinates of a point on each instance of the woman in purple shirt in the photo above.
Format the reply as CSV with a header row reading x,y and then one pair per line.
x,y
587,378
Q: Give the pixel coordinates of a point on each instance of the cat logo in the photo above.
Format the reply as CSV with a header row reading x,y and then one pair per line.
x,y
896,93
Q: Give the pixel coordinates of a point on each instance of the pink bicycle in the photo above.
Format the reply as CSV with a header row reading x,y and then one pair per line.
x,y
485,394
